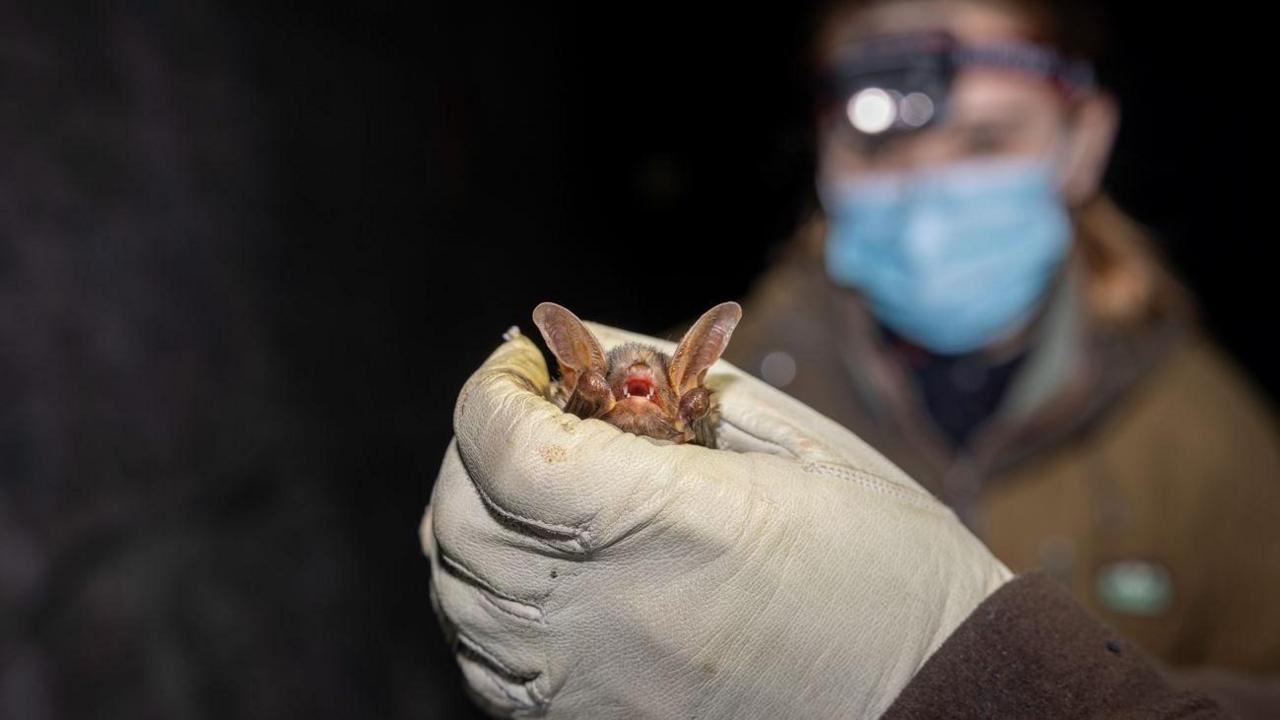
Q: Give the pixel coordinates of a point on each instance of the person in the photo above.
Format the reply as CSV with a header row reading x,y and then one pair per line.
x,y
972,306
970,303
580,571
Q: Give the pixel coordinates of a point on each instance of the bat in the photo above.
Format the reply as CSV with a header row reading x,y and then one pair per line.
x,y
635,386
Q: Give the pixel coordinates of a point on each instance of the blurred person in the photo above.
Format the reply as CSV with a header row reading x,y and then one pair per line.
x,y
971,305
974,306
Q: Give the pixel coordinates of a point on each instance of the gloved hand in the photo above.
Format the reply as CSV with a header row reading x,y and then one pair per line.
x,y
585,572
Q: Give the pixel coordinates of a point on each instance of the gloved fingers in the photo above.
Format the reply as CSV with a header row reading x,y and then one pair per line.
x,y
489,625
493,649
450,632
547,473
493,631
518,570
498,694
426,534
754,418
758,416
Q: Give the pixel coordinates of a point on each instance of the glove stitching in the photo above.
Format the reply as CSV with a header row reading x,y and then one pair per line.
x,y
466,574
873,482
536,694
519,704
479,654
537,529
566,534
493,604
561,537
477,651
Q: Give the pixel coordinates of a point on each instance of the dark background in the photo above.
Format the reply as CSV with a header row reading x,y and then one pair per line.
x,y
248,256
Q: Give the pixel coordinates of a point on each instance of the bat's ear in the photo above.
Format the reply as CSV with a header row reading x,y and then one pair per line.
x,y
575,348
702,346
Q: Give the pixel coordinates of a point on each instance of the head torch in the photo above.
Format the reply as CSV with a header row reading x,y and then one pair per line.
x,y
894,84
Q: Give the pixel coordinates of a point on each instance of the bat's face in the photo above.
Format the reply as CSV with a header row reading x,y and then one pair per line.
x,y
643,401
636,387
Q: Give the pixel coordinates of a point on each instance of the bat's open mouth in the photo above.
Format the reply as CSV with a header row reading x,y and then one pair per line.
x,y
638,386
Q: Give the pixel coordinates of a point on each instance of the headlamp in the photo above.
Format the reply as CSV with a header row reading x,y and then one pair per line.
x,y
894,84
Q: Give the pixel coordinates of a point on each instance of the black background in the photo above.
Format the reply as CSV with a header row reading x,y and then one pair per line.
x,y
250,255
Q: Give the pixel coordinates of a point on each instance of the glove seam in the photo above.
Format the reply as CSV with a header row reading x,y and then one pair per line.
x,y
536,694
467,574
873,482
511,613
576,538
479,651
475,649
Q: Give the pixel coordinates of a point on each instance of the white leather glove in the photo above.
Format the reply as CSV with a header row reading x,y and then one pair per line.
x,y
584,572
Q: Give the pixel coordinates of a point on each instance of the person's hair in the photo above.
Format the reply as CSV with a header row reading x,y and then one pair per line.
x,y
1075,28
1126,278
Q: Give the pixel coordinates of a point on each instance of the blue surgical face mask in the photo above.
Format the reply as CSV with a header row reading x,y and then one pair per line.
x,y
951,258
